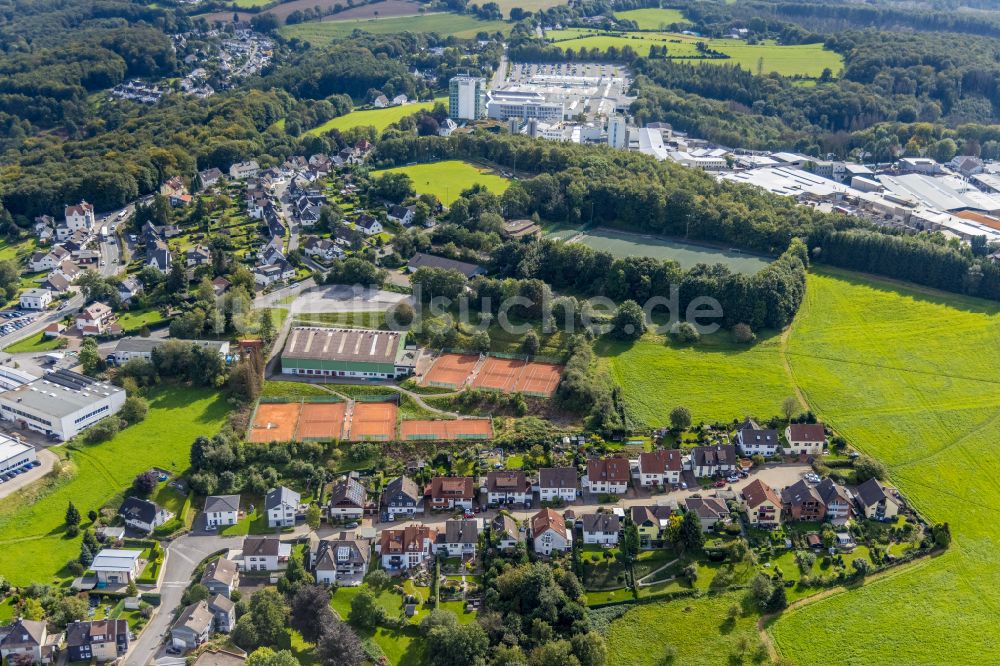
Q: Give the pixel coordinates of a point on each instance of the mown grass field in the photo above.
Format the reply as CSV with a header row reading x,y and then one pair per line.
x,y
907,375
377,118
715,379
462,26
796,60
652,18
36,343
528,5
447,179
33,547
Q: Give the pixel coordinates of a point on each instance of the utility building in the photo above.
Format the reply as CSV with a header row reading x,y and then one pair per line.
x,y
347,352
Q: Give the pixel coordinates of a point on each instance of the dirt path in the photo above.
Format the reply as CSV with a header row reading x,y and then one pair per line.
x,y
783,348
654,572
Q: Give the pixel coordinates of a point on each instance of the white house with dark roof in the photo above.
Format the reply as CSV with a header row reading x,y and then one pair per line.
x,y
557,483
281,504
506,532
347,500
192,627
805,439
142,514
875,501
265,554
342,561
222,510
459,539
753,441
221,576
601,529
80,216
402,498
30,638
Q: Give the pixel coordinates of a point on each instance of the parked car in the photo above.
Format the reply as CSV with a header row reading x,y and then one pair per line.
x,y
719,484
351,526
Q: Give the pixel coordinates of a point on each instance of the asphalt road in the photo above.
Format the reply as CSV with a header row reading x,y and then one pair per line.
x,y
183,556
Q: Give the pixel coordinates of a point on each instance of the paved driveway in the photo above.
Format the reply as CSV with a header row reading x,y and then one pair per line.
x,y
46,457
183,556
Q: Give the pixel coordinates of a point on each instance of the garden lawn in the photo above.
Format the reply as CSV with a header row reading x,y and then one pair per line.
x,y
279,389
447,179
652,18
908,375
133,321
33,547
17,250
715,379
377,118
36,343
696,628
463,26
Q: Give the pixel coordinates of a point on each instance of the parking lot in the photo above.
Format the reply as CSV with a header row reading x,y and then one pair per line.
x,y
15,320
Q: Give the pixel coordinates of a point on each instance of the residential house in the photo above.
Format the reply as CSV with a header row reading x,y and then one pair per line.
x,y
244,170
601,529
35,299
54,330
268,275
660,468
449,492
158,256
875,501
715,460
342,561
117,567
402,214
447,127
549,533
208,177
129,288
219,658
752,441
347,500
46,261
802,501
323,249
57,282
142,514
68,270
281,505
838,501
197,256
762,504
95,319
99,640
607,475
172,186
223,610
709,510
368,225
557,483
506,532
805,439
650,521
221,510
399,100
264,553
220,285
507,487
192,627
407,547
460,538
27,637
401,497
221,576
380,102
80,216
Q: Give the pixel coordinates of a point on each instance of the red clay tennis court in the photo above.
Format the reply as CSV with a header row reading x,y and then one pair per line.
x,y
450,370
373,421
443,430
539,379
499,374
321,420
274,422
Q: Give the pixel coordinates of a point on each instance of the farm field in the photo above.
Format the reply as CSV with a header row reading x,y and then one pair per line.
x,y
715,379
796,60
385,8
652,18
462,26
33,547
447,179
908,376
905,374
377,118
528,5
625,244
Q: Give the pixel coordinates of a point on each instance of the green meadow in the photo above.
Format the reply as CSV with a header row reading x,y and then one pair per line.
x,y
377,118
463,26
652,18
447,179
907,375
33,546
796,60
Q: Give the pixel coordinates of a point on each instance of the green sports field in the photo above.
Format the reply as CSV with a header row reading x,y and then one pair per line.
x,y
652,18
33,547
796,60
377,118
909,376
625,244
463,26
447,179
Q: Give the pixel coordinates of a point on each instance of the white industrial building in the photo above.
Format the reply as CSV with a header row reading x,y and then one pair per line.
x,y
130,348
523,105
15,454
61,404
466,98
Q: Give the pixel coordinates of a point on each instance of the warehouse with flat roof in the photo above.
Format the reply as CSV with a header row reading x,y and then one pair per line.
x,y
347,352
130,348
15,454
61,403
